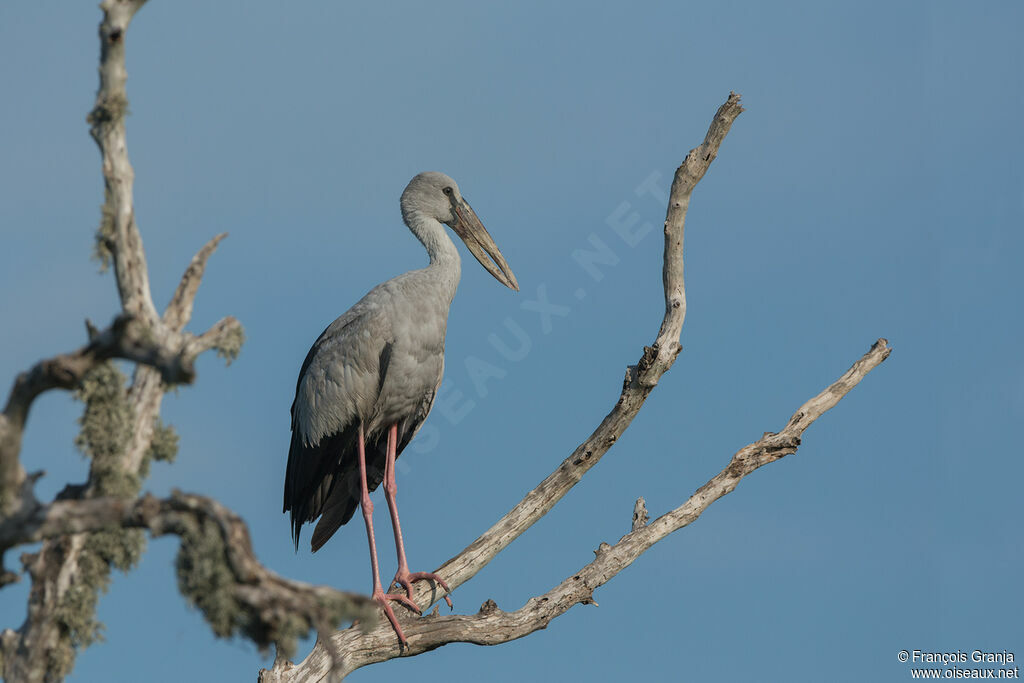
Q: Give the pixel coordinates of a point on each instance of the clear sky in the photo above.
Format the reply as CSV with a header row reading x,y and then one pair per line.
x,y
872,188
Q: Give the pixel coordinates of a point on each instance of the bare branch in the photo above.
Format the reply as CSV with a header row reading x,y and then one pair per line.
x,y
491,626
126,338
179,311
226,336
640,379
639,382
266,607
118,234
69,571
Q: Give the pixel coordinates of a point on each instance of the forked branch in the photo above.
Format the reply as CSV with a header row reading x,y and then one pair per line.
x,y
349,650
70,569
492,626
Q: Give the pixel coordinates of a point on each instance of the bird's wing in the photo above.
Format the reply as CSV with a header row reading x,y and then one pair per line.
x,y
339,381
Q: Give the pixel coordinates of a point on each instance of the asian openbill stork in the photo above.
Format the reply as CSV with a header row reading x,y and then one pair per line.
x,y
369,381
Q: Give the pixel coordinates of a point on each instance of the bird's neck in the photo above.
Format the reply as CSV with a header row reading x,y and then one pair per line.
x,y
444,256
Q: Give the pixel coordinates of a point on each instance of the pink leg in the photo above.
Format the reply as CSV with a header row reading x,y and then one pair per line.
x,y
378,590
403,577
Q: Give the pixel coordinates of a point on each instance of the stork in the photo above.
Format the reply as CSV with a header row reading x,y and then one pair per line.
x,y
370,379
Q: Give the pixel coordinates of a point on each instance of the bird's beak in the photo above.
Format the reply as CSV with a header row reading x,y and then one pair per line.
x,y
468,226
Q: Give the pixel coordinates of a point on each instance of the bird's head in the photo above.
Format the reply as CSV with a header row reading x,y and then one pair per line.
x,y
435,195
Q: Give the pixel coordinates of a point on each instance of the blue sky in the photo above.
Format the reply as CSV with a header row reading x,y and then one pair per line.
x,y
872,188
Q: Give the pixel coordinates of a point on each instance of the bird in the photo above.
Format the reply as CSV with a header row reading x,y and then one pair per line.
x,y
370,379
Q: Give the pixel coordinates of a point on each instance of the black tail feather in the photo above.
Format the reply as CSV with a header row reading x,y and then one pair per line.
x,y
323,480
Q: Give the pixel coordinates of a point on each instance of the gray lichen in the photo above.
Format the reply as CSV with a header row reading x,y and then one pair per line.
x,y
106,427
207,582
60,660
110,109
106,423
288,632
163,446
230,345
76,612
289,628
205,579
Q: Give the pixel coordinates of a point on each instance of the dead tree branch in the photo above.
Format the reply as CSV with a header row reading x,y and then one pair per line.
x,y
127,338
492,626
118,235
179,311
264,606
640,380
123,432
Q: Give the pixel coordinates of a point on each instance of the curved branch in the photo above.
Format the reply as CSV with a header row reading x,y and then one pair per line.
x,y
126,338
226,336
170,353
267,604
639,382
492,626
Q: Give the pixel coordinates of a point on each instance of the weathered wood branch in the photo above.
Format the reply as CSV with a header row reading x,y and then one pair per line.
x,y
118,234
492,626
126,338
225,335
640,380
267,607
171,356
70,570
179,310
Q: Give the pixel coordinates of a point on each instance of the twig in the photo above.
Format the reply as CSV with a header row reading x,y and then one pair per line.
x,y
179,310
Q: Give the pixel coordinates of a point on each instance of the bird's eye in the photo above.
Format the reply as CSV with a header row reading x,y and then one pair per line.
x,y
447,191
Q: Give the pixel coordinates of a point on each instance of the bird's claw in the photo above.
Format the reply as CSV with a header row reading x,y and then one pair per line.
x,y
405,579
403,600
383,599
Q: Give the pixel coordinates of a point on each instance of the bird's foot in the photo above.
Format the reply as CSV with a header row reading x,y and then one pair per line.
x,y
384,600
405,579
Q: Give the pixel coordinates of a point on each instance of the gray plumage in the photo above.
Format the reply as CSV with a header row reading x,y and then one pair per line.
x,y
379,364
